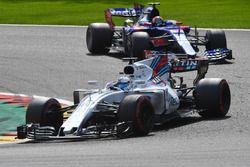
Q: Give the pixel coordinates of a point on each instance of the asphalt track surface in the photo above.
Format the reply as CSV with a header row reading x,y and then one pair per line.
x,y
52,61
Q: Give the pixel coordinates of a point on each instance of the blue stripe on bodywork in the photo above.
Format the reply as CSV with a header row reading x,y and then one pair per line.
x,y
155,62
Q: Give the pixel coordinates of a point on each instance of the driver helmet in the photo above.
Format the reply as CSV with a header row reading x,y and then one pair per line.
x,y
122,82
157,21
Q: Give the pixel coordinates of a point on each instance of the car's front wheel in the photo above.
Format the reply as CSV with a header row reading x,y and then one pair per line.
x,y
213,97
138,110
215,39
45,112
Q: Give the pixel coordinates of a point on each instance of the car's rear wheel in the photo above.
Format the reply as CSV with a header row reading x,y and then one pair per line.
x,y
213,97
99,38
140,41
215,39
138,110
45,112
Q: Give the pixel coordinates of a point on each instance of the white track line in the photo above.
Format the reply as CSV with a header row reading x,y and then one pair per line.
x,y
62,101
34,25
75,26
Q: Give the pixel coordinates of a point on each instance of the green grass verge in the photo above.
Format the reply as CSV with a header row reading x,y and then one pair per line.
x,y
203,13
11,116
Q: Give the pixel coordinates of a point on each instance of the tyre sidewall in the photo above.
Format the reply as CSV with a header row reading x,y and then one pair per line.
x,y
44,112
130,110
213,97
140,41
99,38
215,39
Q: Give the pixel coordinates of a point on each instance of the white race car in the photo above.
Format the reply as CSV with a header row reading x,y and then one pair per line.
x,y
146,95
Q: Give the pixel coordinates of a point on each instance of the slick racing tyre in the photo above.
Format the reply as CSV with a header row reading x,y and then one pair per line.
x,y
213,97
139,42
99,38
215,39
138,110
45,112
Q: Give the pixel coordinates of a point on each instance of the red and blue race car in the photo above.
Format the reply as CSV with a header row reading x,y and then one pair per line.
x,y
144,29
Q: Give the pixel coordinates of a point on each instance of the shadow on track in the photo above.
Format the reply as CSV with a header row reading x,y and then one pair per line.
x,y
116,55
179,122
223,62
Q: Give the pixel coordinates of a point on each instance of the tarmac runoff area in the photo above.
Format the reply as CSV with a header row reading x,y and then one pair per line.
x,y
12,114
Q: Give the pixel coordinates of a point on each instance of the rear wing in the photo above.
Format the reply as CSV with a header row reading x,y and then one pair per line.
x,y
125,12
169,62
122,12
180,62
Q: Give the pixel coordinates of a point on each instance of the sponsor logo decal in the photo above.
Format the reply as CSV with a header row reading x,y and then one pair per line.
x,y
125,12
186,65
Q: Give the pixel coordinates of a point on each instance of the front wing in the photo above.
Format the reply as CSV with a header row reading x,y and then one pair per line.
x,y
218,54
